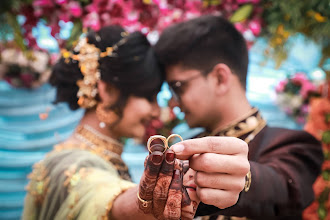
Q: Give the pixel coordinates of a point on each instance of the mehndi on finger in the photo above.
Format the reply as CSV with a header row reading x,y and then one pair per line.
x,y
148,181
173,205
162,185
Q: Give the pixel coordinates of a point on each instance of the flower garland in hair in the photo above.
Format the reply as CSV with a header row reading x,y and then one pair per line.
x,y
88,58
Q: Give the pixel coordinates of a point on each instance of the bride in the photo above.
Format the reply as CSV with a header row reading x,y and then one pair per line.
x,y
115,77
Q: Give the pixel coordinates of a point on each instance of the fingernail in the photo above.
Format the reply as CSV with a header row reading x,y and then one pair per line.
x,y
177,148
156,158
169,157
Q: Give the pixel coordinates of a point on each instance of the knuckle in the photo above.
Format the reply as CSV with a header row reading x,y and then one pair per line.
x,y
244,148
202,194
243,167
199,179
212,144
238,185
242,184
205,162
230,201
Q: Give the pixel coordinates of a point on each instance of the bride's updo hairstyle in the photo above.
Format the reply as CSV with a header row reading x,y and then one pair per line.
x,y
132,68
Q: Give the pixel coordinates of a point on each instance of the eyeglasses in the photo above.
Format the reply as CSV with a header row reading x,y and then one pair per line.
x,y
177,87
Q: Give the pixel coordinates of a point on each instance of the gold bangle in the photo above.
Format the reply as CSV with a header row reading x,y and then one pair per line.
x,y
248,180
145,203
154,137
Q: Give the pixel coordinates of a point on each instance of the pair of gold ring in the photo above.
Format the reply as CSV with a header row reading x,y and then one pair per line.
x,y
163,139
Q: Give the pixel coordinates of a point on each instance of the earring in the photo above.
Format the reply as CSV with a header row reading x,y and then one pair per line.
x,y
106,117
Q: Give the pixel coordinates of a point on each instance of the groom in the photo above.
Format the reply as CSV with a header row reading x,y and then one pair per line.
x,y
206,62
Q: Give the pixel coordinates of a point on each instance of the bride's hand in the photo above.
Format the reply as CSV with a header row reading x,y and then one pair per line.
x,y
161,190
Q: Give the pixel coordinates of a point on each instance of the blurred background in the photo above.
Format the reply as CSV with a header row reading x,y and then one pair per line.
x,y
288,76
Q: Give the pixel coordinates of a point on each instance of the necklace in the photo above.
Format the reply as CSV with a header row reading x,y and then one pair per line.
x,y
96,140
103,146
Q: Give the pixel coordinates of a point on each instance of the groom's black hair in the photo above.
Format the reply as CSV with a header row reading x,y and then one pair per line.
x,y
203,42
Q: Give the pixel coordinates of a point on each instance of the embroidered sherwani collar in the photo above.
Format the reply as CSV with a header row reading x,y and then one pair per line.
x,y
245,127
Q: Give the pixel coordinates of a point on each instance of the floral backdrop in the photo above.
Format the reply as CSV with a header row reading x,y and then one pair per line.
x,y
23,64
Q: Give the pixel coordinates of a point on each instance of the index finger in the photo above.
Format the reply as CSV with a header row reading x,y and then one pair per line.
x,y
219,145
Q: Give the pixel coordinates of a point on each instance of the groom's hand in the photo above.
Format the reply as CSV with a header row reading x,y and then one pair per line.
x,y
221,164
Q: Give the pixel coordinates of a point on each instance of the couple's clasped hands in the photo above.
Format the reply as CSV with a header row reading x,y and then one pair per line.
x,y
211,170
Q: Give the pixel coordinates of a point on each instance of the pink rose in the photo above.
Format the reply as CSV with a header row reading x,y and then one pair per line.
x,y
306,88
92,20
75,9
64,16
242,1
299,78
255,27
43,3
240,27
61,2
281,86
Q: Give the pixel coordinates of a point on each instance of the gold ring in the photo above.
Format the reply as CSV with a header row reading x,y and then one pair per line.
x,y
171,136
248,180
154,137
145,203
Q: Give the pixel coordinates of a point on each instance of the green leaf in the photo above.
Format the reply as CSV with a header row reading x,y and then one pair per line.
x,y
75,33
242,13
326,137
325,175
327,117
322,212
12,21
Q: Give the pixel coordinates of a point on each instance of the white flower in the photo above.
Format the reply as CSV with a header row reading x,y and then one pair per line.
x,y
11,56
296,101
40,63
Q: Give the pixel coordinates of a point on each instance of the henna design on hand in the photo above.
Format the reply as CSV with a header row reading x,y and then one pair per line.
x,y
173,205
162,185
149,179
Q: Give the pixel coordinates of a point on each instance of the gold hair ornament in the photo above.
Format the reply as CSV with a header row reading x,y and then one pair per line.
x,y
88,58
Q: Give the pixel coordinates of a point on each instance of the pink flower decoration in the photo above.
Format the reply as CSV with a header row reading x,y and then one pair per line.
x,y
299,78
242,1
306,88
55,27
75,9
305,109
248,1
301,119
43,3
27,79
255,1
240,27
255,27
61,2
281,85
64,16
92,20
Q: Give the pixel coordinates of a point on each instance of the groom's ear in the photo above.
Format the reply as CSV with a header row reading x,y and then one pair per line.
x,y
108,93
222,75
